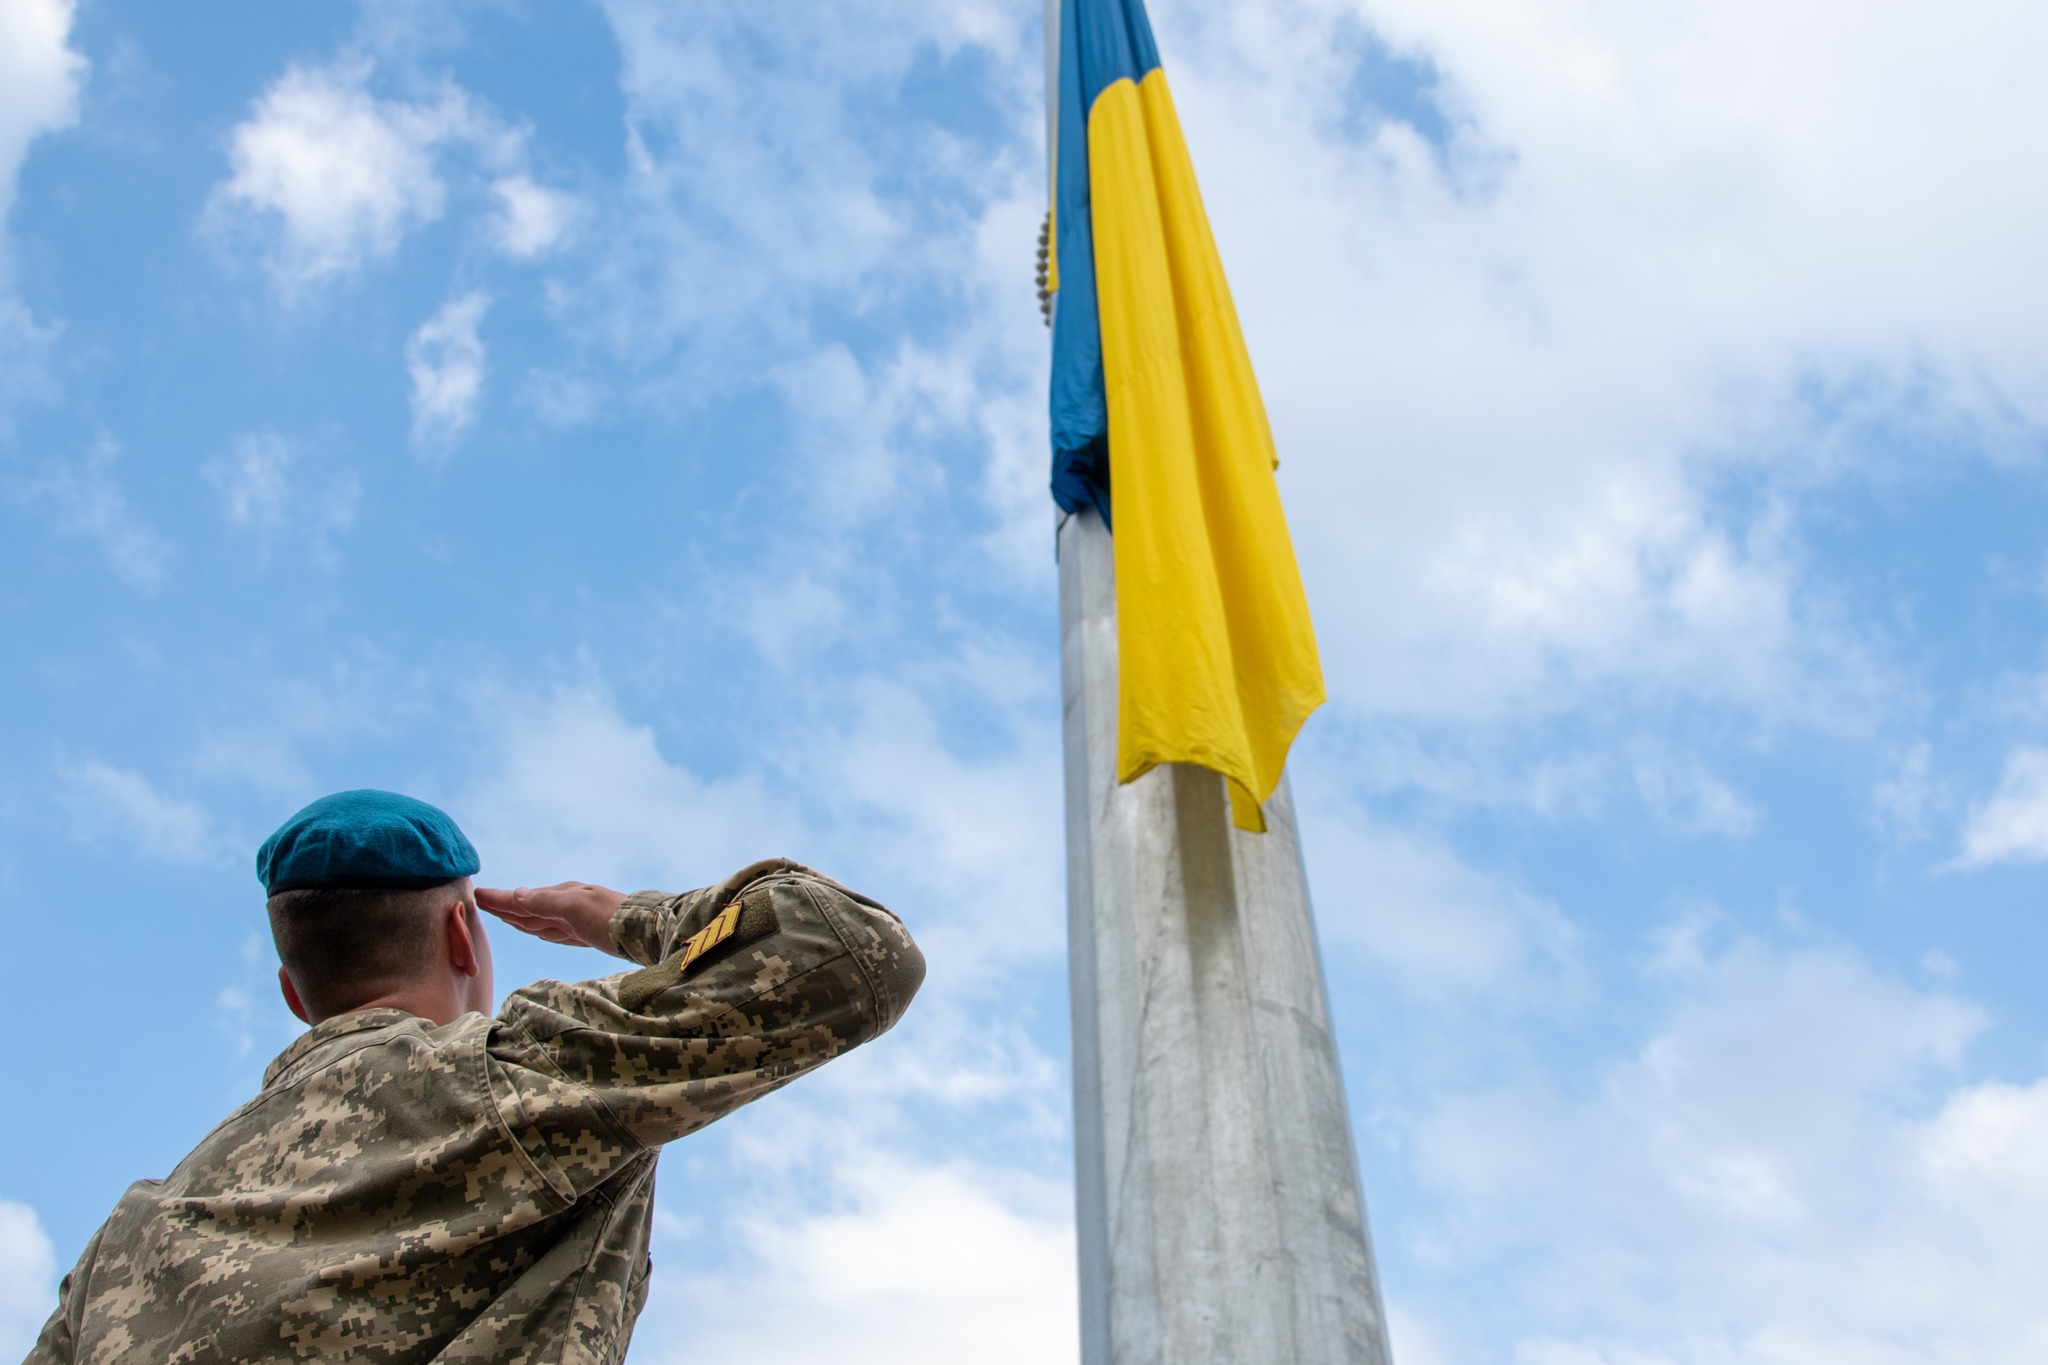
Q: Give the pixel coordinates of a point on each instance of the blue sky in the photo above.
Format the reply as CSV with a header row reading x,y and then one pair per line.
x,y
623,424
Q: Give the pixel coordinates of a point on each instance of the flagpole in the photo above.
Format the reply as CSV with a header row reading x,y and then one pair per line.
x,y
1217,1199
1218,1208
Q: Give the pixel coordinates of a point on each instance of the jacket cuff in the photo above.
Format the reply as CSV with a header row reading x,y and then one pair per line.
x,y
638,926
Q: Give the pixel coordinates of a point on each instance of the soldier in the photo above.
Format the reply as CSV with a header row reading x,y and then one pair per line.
x,y
421,1181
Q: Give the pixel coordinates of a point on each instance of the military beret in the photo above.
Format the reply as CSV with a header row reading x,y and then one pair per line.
x,y
365,839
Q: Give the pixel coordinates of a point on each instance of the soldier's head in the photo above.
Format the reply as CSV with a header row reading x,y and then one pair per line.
x,y
371,903
342,948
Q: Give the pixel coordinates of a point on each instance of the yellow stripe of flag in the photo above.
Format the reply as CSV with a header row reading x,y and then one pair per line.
x,y
1218,663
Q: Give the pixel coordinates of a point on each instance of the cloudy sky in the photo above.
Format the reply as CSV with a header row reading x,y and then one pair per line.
x,y
623,424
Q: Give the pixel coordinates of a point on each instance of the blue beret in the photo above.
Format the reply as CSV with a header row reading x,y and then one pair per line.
x,y
361,840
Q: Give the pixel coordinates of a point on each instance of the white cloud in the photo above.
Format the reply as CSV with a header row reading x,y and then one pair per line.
x,y
40,76
445,359
333,177
116,804
1984,1138
89,502
2012,827
532,219
28,1278
259,491
1784,1171
919,1265
340,175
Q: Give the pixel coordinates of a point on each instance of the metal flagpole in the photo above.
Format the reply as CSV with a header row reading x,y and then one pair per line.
x,y
1218,1208
1216,1189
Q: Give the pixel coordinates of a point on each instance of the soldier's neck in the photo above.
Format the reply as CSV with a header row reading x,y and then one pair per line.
x,y
437,1002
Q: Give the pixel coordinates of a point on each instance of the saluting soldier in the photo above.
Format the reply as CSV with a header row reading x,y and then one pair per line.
x,y
422,1179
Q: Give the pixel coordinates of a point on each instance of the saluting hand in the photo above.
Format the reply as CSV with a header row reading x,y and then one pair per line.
x,y
575,913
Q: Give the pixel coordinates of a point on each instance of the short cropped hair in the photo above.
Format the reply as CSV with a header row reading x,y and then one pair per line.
x,y
344,947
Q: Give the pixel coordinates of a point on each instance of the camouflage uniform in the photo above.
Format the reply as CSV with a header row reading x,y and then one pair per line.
x,y
483,1191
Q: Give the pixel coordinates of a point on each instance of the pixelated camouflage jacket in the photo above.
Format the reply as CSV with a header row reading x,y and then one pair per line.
x,y
483,1191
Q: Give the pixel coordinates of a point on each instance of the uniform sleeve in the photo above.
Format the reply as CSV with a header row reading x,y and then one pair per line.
x,y
749,984
58,1343
641,927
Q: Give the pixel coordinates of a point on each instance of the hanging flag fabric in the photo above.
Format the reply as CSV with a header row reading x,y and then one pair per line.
x,y
1153,398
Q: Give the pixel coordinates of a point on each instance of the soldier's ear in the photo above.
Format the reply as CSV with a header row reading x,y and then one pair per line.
x,y
462,952
291,997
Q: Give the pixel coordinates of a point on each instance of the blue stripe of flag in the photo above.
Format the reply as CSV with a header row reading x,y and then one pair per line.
x,y
1101,42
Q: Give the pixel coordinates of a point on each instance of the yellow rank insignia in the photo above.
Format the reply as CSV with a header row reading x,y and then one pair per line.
x,y
710,936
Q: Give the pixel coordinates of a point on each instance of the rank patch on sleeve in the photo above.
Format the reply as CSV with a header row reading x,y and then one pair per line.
x,y
742,921
710,936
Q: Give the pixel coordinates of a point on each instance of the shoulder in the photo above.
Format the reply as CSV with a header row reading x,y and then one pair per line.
x,y
402,1082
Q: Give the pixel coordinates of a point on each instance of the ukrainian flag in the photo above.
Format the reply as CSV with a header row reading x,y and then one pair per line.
x,y
1153,397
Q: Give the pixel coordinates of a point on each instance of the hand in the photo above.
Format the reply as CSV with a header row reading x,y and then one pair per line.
x,y
575,913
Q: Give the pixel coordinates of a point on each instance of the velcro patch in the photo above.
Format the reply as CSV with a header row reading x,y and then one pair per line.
x,y
741,922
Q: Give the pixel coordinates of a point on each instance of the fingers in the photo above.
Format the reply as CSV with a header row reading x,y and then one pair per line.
x,y
517,909
524,900
510,906
499,898
574,913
